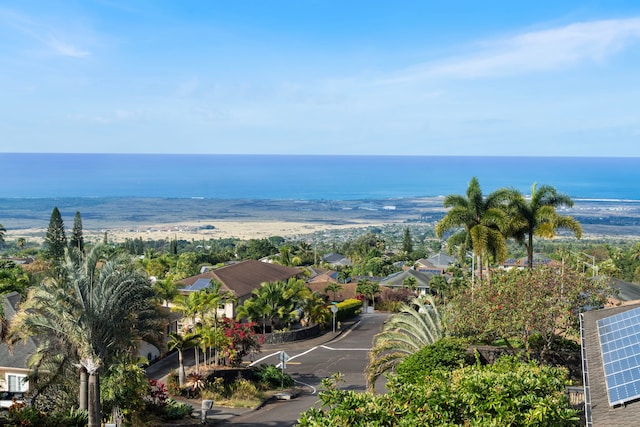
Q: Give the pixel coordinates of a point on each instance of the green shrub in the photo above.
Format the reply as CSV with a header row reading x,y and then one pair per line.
x,y
176,411
446,353
173,385
74,418
268,377
243,389
348,308
507,393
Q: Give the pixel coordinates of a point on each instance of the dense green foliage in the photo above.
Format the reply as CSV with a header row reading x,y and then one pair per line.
x,y
404,333
93,313
520,303
270,377
507,393
446,353
348,309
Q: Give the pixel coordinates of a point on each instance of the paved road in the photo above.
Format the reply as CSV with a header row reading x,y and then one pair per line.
x,y
309,364
627,291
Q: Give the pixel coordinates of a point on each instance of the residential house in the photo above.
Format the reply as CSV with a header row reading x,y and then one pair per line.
x,y
437,264
13,362
336,261
240,279
397,280
611,365
520,263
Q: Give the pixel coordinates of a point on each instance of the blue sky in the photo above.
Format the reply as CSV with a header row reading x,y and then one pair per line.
x,y
550,78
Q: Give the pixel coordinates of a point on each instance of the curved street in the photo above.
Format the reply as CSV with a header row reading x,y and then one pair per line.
x,y
309,362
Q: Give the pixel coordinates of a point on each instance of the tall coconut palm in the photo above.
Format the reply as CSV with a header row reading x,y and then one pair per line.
x,y
416,325
537,216
96,308
334,288
480,219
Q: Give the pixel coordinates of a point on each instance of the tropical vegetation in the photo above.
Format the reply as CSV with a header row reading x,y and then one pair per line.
x,y
422,351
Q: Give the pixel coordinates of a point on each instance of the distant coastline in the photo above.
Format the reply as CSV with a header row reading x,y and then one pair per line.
x,y
202,218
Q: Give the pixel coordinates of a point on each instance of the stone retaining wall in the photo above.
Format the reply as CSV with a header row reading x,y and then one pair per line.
x,y
295,335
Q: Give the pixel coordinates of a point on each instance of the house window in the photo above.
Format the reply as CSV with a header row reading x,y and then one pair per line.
x,y
17,382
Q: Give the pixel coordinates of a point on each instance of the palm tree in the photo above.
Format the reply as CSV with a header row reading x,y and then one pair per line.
x,y
2,231
278,308
189,306
369,289
210,299
96,308
253,310
416,325
481,220
180,342
166,290
538,216
313,307
334,288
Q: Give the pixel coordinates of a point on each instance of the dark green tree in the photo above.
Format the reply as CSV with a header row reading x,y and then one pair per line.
x,y
77,239
407,243
56,239
96,310
2,231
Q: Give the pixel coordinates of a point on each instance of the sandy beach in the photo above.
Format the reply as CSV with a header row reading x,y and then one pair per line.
x,y
193,230
198,219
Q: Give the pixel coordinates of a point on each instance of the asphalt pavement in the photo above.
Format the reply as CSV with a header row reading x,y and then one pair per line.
x,y
163,367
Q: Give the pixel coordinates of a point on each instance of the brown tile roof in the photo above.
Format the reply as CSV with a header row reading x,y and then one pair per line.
x,y
601,413
348,290
242,278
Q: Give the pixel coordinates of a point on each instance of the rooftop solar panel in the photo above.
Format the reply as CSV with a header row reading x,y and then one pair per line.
x,y
620,346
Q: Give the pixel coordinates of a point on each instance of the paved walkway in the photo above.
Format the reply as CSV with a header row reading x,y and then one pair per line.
x,y
162,368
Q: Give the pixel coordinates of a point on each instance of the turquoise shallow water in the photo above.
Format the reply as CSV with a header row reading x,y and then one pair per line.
x,y
307,177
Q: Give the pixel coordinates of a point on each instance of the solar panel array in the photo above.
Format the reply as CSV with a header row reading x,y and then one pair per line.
x,y
620,345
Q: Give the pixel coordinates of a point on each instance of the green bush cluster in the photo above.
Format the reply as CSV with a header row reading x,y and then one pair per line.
x,y
269,377
29,416
509,392
446,353
348,308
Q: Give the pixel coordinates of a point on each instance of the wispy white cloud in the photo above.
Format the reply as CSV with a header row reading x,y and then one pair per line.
x,y
63,48
534,51
56,40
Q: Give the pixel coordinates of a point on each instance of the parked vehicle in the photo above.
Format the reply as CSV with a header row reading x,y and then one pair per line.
x,y
8,398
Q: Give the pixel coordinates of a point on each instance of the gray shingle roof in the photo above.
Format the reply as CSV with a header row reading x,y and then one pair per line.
x,y
17,356
397,279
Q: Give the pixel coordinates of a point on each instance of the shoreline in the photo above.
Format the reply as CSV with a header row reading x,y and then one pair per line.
x,y
243,230
197,219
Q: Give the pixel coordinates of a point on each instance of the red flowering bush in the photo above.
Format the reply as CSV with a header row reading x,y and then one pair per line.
x,y
243,340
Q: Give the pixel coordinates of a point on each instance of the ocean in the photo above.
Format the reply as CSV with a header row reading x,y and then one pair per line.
x,y
307,177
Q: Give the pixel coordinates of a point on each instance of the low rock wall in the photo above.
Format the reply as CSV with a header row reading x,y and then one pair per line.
x,y
294,335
